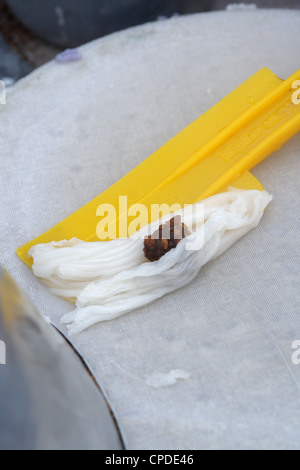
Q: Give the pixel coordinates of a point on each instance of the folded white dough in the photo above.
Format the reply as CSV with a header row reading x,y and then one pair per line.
x,y
109,279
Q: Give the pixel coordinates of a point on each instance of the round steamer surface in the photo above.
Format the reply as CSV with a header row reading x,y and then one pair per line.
x,y
69,131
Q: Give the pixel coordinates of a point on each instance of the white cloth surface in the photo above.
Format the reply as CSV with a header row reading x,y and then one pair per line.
x,y
69,131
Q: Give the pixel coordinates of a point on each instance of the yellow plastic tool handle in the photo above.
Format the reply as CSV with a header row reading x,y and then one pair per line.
x,y
213,152
248,140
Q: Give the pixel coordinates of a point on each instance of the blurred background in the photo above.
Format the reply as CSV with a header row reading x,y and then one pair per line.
x,y
32,32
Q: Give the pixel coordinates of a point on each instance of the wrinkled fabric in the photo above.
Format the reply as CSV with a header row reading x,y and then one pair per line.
x,y
114,278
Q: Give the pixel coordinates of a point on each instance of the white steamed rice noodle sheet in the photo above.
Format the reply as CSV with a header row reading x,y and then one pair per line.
x,y
107,279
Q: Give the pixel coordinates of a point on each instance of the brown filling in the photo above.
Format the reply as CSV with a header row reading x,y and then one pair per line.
x,y
165,238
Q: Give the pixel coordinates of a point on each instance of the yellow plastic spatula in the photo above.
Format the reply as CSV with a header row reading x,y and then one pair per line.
x,y
214,152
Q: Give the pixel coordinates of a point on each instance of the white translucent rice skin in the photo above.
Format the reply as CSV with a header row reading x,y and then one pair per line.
x,y
109,279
